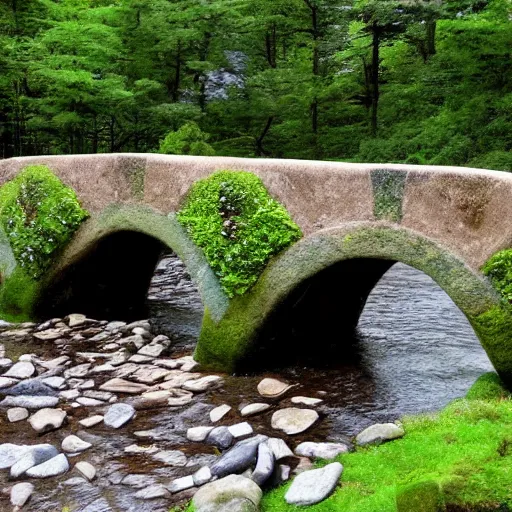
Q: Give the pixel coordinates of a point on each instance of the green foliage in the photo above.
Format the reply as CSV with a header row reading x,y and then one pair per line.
x,y
239,226
17,295
420,497
188,140
463,450
488,387
39,214
499,269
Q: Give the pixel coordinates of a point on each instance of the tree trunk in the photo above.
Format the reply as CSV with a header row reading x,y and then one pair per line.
x,y
375,80
259,141
431,37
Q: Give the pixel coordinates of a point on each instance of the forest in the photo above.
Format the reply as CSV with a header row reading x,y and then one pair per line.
x,y
410,81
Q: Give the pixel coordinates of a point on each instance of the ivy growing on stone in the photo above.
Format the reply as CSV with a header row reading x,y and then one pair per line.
x,y
38,214
239,226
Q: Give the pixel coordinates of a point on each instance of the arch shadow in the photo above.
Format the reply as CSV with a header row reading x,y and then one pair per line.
x,y
363,252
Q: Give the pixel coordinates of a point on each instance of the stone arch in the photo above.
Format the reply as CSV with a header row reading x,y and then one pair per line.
x,y
224,344
119,247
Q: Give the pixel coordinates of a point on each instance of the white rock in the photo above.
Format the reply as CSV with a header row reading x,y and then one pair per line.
x,y
152,492
240,430
118,415
135,448
75,319
198,434
203,384
137,358
17,414
47,419
35,455
54,363
252,409
54,382
279,448
294,421
124,386
20,493
171,458
219,412
21,370
202,476
78,371
30,402
91,421
272,388
305,400
151,350
53,467
5,382
314,486
321,450
70,394
379,433
181,484
88,470
73,444
89,402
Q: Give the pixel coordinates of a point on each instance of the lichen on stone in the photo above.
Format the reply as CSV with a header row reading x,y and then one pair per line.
x,y
388,191
231,216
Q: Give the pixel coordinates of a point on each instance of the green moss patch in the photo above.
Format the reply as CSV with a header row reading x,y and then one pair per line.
x,y
388,192
39,214
239,226
499,269
466,450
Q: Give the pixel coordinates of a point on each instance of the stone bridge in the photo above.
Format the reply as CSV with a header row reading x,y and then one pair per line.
x,y
356,220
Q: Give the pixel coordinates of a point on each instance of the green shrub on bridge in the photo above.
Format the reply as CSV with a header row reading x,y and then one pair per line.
x,y
38,214
499,269
239,226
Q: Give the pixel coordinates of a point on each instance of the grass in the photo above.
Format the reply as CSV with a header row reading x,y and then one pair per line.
x,y
466,449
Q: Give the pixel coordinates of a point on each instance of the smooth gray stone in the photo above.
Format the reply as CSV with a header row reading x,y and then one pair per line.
x,y
11,453
36,455
239,458
171,457
220,437
321,450
99,505
17,414
181,484
279,448
53,467
152,492
73,444
202,476
20,493
314,486
21,370
198,434
138,481
46,419
264,466
379,433
118,415
30,402
233,493
32,387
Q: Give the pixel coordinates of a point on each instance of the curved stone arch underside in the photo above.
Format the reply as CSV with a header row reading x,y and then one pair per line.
x,y
165,230
223,344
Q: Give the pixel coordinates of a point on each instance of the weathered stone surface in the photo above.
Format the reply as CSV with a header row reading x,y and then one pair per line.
x,y
17,414
49,334
181,484
203,384
21,370
294,421
233,493
32,387
30,402
91,421
150,374
279,448
220,437
198,434
47,419
272,388
76,319
124,386
314,486
305,400
70,394
54,363
10,453
180,397
240,430
53,467
78,371
118,415
152,350
219,412
264,465
321,450
252,409
238,458
171,458
152,492
6,382
73,444
54,382
34,456
89,402
86,469
20,493
202,476
379,433
138,481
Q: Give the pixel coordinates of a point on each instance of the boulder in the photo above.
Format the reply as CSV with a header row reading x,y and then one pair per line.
x,y
321,450
46,420
20,493
293,420
34,456
379,433
272,388
53,467
264,466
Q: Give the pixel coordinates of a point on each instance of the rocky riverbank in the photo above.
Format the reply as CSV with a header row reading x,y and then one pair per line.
x,y
107,416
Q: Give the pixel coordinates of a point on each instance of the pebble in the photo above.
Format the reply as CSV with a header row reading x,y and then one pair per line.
x,y
30,402
5,362
73,444
91,421
181,484
70,394
198,434
118,415
53,467
220,437
203,384
89,402
379,433
152,492
34,456
293,421
86,469
304,400
321,450
20,493
17,414
219,412
272,388
252,409
151,350
47,419
202,476
135,448
6,382
314,486
21,370
54,382
279,448
117,385
240,430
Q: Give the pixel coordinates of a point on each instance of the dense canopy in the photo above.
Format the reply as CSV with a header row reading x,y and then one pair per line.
x,y
414,81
